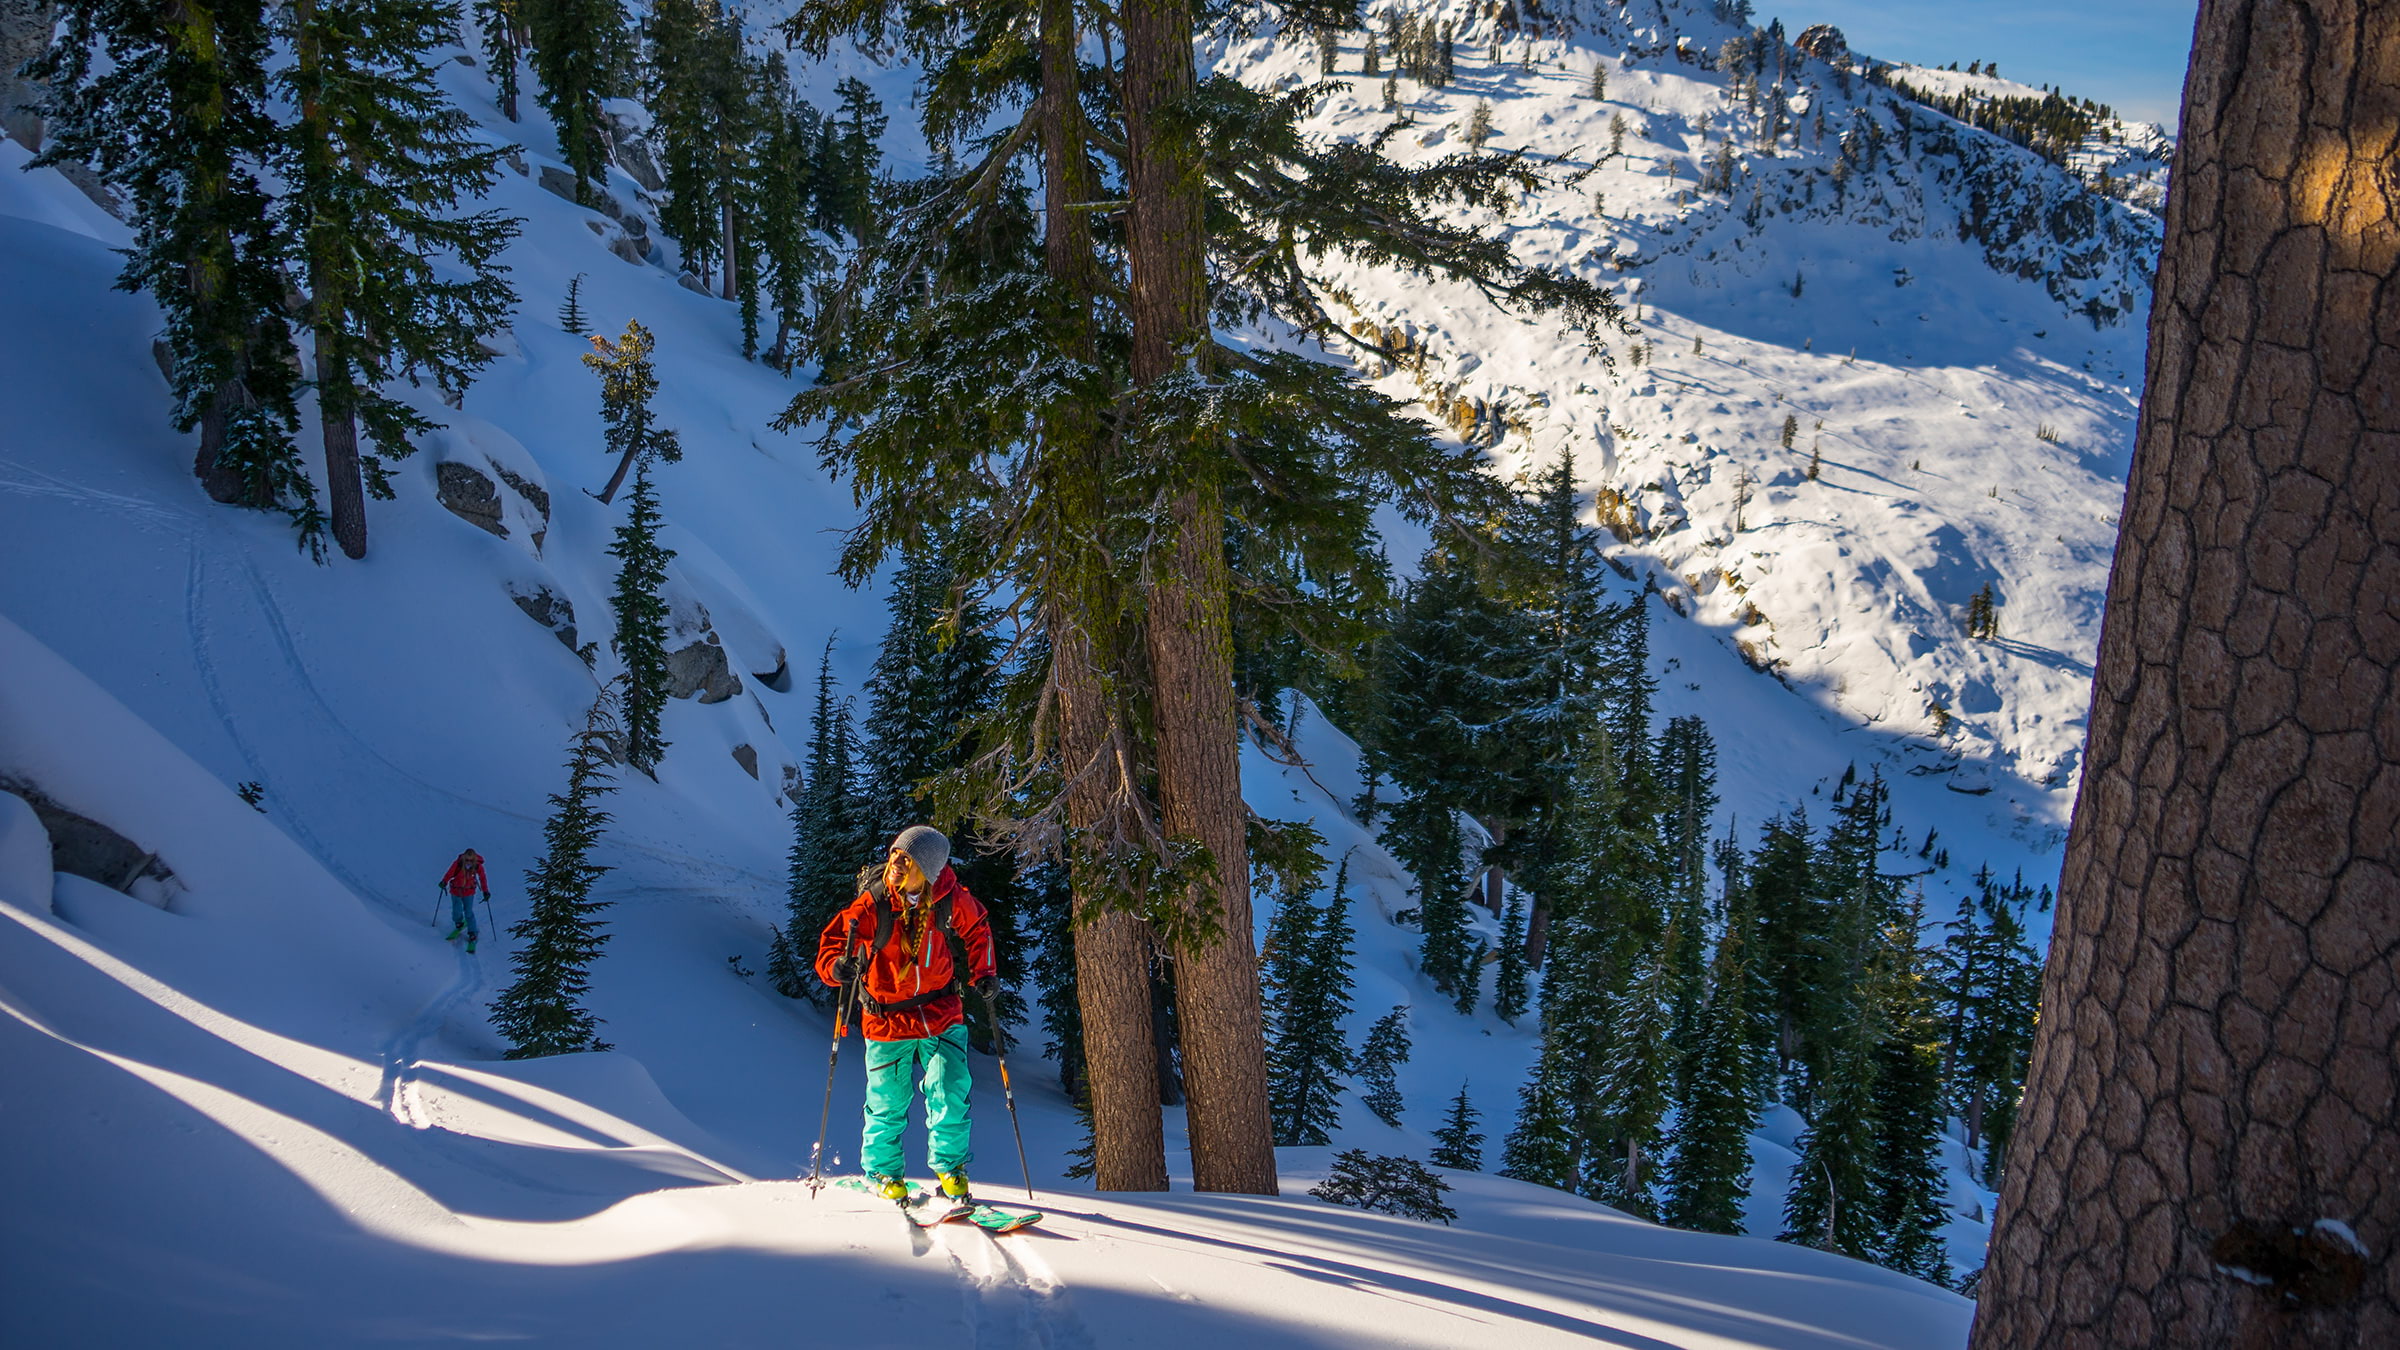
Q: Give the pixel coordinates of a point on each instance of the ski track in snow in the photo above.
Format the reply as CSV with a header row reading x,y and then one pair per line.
x,y
397,1094
1011,1299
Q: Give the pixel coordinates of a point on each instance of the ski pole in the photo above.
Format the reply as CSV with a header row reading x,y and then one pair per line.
x,y
487,913
1008,1091
438,893
842,1007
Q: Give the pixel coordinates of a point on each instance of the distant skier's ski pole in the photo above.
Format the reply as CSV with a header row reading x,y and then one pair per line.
x,y
1008,1091
440,893
487,913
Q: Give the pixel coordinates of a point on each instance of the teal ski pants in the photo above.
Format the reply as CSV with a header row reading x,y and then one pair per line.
x,y
895,1069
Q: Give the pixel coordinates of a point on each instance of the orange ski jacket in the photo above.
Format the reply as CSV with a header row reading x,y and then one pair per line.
x,y
913,976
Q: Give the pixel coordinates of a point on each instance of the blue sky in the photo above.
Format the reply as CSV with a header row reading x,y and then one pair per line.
x,y
2129,54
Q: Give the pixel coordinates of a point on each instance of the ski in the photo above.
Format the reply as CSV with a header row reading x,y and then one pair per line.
x,y
993,1219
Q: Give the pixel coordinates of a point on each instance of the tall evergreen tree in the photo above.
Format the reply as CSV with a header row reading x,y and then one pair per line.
x,y
501,24
639,605
1458,1143
1832,1204
1989,980
542,1012
582,51
1687,781
1622,1128
707,121
1906,1170
1509,981
1717,1107
628,382
1379,1062
789,254
167,102
1306,980
1051,905
1791,951
380,163
830,841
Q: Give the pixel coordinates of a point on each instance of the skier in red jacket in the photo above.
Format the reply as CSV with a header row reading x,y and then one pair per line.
x,y
902,943
461,881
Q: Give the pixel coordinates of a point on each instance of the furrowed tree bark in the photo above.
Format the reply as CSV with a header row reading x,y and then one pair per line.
x,y
1189,630
2213,1104
1112,951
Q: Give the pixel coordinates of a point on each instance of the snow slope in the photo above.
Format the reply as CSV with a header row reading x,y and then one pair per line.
x,y
272,1112
1967,404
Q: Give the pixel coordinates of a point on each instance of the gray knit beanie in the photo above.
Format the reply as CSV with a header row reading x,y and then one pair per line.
x,y
927,848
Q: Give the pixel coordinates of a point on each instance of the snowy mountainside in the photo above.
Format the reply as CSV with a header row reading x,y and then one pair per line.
x,y
1885,360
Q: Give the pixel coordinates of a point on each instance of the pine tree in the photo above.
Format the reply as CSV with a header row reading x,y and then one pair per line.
x,y
1051,905
173,117
1832,1203
627,384
1599,86
1791,429
1458,1143
1717,1107
570,310
1307,980
1616,135
1906,1171
788,251
582,50
1508,986
1479,123
1791,955
1378,1065
933,676
542,1012
829,839
1630,1095
501,24
380,161
706,122
1687,770
640,639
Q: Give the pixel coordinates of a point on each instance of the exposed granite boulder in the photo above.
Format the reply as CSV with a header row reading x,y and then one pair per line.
x,y
537,497
747,757
701,669
25,861
470,494
631,150
81,846
547,608
25,27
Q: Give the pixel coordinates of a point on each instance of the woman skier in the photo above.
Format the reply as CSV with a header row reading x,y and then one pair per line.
x,y
902,945
461,881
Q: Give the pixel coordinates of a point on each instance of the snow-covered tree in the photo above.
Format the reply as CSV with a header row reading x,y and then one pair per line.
x,y
1509,980
1709,1175
830,843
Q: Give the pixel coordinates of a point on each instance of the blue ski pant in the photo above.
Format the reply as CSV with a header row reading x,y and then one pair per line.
x,y
462,915
895,1070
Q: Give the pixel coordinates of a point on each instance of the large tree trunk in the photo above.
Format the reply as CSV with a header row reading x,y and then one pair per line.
x,y
25,28
1112,952
1190,632
345,483
2213,1103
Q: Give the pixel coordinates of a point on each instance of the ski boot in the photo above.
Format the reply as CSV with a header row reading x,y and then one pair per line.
x,y
954,1184
470,946
889,1187
455,930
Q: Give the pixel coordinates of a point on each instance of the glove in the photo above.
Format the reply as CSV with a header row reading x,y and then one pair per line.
x,y
988,989
847,969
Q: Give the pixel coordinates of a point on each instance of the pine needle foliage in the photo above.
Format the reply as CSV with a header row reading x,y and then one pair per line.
x,y
628,381
1708,1177
542,1012
1509,981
